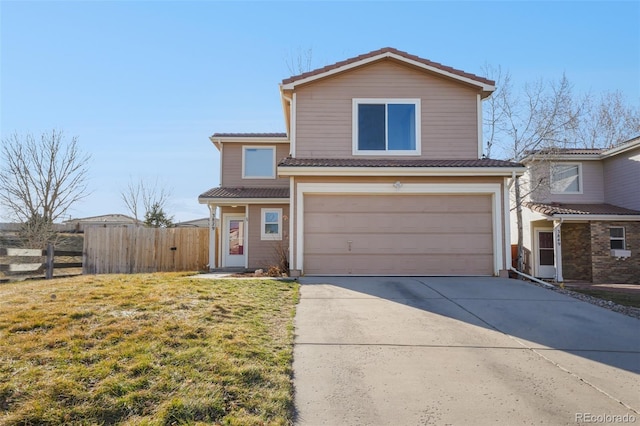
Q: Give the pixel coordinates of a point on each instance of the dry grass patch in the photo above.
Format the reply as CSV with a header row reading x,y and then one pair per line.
x,y
153,349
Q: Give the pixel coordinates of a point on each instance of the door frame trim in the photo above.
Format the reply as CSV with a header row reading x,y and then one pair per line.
x,y
536,251
225,238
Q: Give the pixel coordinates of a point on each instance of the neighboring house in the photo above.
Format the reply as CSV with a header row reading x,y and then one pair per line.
x,y
102,220
195,223
583,221
380,171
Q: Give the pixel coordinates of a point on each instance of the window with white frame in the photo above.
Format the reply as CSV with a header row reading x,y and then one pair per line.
x,y
566,178
616,238
386,126
271,224
259,162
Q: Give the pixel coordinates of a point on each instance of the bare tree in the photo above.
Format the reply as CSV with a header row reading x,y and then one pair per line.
x,y
540,117
300,62
144,198
40,180
608,121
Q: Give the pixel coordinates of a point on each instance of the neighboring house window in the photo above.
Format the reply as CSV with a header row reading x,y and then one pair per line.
x,y
616,238
271,227
566,178
258,162
386,126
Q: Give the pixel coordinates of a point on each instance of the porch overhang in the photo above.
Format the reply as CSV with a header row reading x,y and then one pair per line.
x,y
231,196
242,201
583,212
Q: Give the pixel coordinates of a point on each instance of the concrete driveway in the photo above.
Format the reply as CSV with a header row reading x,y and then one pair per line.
x,y
460,351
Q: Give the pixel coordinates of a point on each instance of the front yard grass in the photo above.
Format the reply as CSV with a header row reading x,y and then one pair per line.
x,y
152,349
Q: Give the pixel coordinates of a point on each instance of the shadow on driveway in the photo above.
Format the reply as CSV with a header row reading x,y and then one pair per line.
x,y
539,318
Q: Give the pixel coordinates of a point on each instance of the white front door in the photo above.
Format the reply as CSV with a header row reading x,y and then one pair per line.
x,y
545,255
234,241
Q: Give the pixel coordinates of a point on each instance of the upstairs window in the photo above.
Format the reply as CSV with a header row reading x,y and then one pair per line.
x,y
566,178
386,126
616,238
258,162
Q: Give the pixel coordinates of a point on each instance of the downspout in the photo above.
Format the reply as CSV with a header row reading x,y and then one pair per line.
x,y
534,279
557,248
291,122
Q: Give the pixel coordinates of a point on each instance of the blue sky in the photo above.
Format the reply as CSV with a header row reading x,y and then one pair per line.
x,y
144,83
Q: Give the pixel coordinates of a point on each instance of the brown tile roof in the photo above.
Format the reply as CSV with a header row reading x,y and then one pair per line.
x,y
242,192
568,151
580,209
388,50
249,135
366,162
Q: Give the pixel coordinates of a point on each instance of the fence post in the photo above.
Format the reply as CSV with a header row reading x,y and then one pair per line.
x,y
49,262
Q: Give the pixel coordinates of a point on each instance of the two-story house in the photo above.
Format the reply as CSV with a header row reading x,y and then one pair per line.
x,y
379,172
581,217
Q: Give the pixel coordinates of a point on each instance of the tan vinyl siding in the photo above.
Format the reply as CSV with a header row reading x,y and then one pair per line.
x,y
232,166
449,122
622,179
263,253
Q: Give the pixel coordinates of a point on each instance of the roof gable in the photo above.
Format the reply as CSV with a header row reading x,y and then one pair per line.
x,y
487,86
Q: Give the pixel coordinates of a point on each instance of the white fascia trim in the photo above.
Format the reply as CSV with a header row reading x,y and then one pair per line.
x,y
492,189
400,171
632,144
242,201
292,132
220,164
356,64
479,111
592,217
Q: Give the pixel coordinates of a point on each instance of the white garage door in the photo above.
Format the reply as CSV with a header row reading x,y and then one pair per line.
x,y
398,234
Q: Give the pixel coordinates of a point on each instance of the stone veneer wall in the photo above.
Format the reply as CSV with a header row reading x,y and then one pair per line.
x,y
576,251
608,269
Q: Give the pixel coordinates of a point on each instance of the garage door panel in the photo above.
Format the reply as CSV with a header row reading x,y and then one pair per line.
x,y
400,203
393,223
407,244
410,265
434,234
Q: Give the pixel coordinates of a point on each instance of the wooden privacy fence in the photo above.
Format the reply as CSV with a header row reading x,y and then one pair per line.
x,y
127,250
21,263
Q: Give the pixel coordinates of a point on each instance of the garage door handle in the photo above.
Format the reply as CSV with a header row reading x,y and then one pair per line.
x,y
349,244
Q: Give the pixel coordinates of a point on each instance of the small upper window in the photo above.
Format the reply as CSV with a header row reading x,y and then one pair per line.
x,y
566,178
616,238
258,162
271,227
386,126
